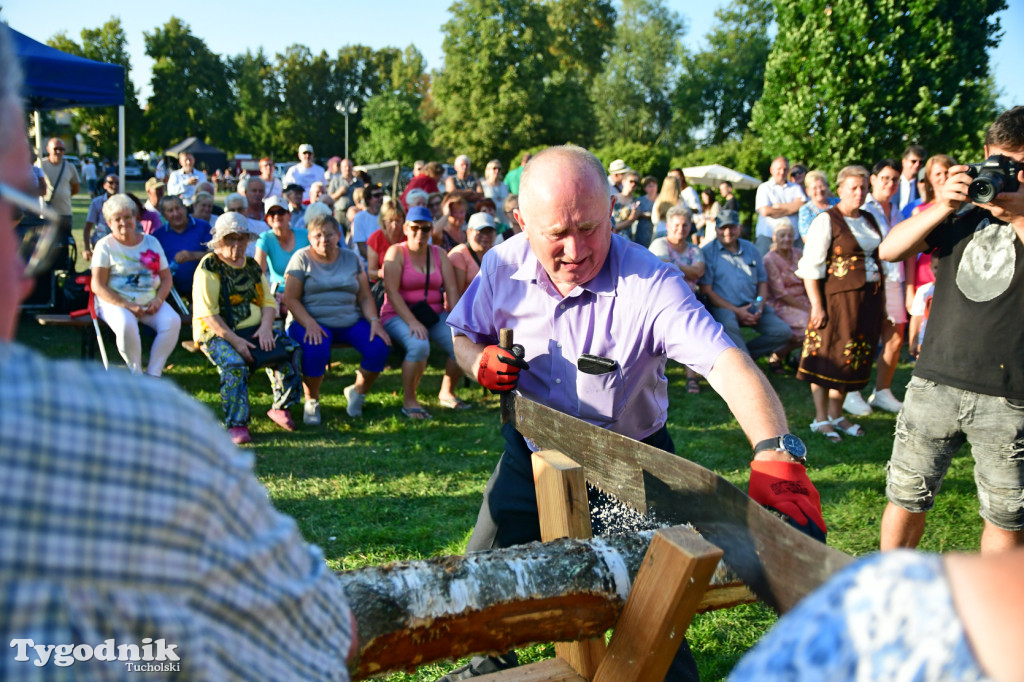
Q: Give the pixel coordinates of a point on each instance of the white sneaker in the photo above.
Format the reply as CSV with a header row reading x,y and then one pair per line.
x,y
355,401
311,412
883,399
854,404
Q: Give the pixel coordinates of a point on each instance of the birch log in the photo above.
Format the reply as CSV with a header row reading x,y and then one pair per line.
x,y
412,613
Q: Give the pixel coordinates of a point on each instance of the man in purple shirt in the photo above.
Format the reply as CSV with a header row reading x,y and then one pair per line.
x,y
568,287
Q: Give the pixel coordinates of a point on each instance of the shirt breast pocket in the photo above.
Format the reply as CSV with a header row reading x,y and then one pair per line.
x,y
598,395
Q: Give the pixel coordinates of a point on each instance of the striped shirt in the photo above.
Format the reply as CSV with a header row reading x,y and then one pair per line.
x,y
126,513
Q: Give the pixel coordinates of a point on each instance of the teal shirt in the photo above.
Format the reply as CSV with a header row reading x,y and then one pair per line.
x,y
277,258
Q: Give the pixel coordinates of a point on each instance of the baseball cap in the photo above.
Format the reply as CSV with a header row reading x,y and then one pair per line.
x,y
305,148
275,201
727,217
481,221
419,214
153,183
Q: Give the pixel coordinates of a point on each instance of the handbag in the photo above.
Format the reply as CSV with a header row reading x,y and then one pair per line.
x,y
378,292
421,310
278,355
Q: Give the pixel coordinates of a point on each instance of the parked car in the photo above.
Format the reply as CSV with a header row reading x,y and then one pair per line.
x,y
133,170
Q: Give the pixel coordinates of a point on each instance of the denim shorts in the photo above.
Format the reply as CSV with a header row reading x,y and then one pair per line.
x,y
934,423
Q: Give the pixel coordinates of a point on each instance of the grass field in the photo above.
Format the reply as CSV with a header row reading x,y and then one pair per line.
x,y
384,488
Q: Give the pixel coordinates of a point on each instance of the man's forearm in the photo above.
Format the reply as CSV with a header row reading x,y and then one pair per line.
x,y
467,354
749,396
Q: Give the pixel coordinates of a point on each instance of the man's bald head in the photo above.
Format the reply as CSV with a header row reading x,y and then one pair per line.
x,y
558,161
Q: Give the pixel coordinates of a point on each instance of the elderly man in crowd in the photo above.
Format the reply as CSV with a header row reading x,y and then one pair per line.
x,y
569,288
734,279
120,514
341,185
255,193
94,219
61,181
155,191
183,182
305,172
778,202
183,239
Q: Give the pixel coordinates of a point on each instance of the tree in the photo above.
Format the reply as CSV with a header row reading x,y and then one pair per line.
x,y
859,80
490,98
190,89
633,95
257,103
393,130
581,30
309,91
723,81
107,43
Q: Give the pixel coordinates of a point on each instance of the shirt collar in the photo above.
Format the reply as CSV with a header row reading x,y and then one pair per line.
x,y
603,283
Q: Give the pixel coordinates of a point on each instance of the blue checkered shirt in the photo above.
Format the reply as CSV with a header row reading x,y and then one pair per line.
x,y
126,513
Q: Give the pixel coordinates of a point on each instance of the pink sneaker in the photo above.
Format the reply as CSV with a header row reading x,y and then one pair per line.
x,y
240,435
282,418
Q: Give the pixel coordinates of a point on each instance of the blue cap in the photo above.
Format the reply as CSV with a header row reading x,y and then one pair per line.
x,y
419,214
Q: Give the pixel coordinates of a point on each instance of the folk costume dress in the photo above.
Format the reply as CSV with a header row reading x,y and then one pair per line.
x,y
840,355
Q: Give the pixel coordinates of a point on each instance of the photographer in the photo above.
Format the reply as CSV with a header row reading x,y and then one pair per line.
x,y
968,384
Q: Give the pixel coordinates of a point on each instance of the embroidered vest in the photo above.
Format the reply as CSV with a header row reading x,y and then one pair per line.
x,y
847,263
239,287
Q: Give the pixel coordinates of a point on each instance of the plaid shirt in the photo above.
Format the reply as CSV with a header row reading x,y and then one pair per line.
x,y
126,513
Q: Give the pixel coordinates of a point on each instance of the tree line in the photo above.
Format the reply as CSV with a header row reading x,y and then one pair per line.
x,y
826,82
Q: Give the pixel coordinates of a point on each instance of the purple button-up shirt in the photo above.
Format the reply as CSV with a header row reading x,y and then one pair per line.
x,y
637,311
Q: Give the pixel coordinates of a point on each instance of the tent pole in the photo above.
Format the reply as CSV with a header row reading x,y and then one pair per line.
x,y
39,132
120,146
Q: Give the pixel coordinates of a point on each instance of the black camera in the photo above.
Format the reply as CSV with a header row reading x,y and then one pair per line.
x,y
997,174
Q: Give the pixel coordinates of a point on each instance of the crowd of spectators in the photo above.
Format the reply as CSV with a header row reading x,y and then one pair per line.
x,y
767,285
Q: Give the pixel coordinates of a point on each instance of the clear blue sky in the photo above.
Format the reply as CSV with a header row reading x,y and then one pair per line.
x,y
230,28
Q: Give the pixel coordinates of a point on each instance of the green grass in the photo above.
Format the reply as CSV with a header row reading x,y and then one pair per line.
x,y
384,488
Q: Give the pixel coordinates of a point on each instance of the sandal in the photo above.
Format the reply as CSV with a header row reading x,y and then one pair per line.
x,y
775,364
852,430
416,413
833,436
692,385
454,403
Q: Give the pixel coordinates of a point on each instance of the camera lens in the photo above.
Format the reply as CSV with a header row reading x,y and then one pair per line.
x,y
985,188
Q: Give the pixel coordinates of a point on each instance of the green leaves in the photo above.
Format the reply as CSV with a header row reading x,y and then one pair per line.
x,y
856,81
107,43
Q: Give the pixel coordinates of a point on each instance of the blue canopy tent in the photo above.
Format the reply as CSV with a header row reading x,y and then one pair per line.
x,y
58,80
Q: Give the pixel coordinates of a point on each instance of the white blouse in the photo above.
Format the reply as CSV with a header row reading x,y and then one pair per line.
x,y
818,241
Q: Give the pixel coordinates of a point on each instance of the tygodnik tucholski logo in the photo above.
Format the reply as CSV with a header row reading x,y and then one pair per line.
x,y
150,656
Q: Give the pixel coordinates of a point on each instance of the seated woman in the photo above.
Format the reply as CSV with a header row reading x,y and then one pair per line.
x,y
328,299
676,248
275,247
465,258
233,324
391,219
413,312
131,281
786,292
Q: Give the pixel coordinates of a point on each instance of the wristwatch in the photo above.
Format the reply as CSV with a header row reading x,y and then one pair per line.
x,y
787,443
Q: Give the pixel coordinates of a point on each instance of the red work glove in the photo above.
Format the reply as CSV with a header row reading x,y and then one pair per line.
x,y
785,488
499,367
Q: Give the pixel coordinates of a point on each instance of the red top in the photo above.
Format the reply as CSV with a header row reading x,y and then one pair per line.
x,y
423,182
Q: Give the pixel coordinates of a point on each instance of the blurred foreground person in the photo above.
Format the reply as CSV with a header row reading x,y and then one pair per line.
x,y
136,522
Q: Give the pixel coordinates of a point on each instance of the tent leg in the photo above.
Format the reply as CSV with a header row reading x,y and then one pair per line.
x,y
120,146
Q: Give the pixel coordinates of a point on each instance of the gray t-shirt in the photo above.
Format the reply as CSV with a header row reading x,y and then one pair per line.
x,y
328,290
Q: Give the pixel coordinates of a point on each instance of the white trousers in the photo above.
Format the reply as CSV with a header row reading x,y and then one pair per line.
x,y
165,321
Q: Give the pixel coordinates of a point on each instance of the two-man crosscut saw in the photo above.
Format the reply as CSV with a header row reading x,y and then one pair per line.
x,y
779,563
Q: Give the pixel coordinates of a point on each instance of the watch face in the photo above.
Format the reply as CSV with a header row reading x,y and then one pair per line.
x,y
794,446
